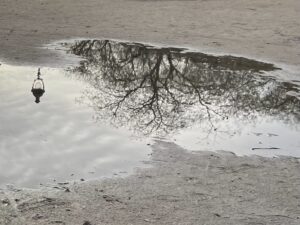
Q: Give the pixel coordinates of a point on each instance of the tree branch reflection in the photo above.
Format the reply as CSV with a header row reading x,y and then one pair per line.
x,y
161,90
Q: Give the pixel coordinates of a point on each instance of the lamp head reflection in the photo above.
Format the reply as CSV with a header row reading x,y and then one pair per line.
x,y
38,87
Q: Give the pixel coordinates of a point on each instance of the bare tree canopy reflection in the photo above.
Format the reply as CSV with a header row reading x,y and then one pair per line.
x,y
161,90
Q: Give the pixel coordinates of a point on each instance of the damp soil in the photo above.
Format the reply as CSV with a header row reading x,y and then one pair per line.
x,y
181,188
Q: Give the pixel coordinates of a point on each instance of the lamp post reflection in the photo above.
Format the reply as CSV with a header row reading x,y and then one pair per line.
x,y
38,87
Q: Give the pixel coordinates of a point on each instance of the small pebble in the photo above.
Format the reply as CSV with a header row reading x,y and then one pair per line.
x,y
87,223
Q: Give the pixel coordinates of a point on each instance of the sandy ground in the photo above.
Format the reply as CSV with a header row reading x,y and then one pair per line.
x,y
182,187
268,29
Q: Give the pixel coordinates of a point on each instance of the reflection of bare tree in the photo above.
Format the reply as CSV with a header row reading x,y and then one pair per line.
x,y
165,89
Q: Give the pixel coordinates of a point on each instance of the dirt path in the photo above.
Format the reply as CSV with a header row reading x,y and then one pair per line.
x,y
182,188
268,30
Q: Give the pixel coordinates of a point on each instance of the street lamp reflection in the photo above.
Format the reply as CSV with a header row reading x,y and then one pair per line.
x,y
38,87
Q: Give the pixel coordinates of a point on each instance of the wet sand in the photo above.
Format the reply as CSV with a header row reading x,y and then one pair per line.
x,y
182,187
267,30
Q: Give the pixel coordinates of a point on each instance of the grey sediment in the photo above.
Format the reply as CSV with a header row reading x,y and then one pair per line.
x,y
181,188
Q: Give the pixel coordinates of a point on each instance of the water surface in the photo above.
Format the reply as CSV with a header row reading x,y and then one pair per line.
x,y
96,118
57,140
202,102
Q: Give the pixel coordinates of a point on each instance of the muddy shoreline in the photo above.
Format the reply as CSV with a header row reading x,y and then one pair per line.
x,y
182,187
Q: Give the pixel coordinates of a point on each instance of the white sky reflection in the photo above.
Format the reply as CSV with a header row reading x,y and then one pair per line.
x,y
57,137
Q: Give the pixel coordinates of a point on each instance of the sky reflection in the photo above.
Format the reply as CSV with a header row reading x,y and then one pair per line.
x,y
201,101
96,118
57,138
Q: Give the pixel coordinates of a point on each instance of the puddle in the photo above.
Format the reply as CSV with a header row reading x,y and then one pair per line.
x,y
57,140
201,102
95,119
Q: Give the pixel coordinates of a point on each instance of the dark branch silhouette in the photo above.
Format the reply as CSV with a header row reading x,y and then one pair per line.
x,y
161,90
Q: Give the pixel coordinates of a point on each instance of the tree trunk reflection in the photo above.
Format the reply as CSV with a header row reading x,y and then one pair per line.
x,y
161,90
